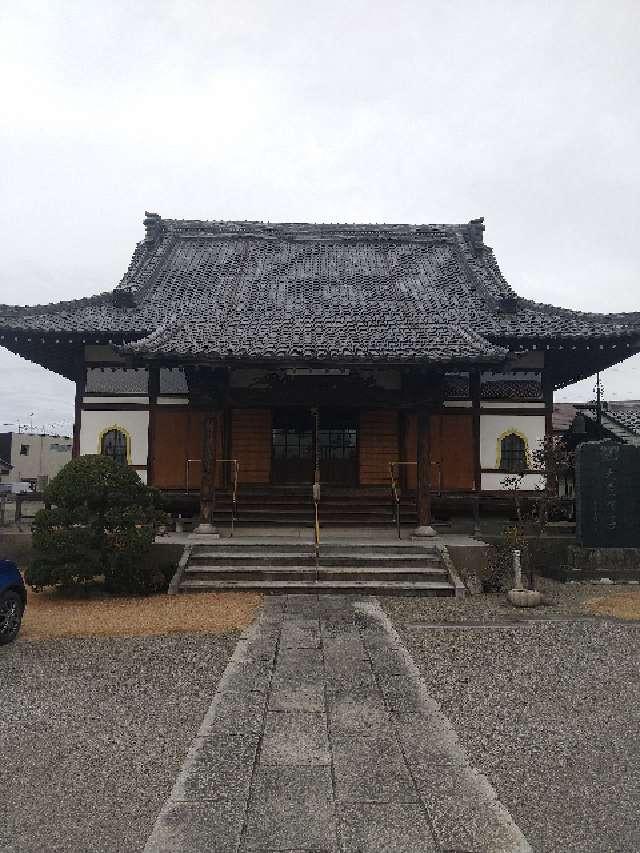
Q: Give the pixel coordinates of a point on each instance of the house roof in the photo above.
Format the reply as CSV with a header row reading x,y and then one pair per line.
x,y
254,291
563,416
621,419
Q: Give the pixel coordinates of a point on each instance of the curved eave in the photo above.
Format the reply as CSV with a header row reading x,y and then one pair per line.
x,y
60,352
569,360
176,359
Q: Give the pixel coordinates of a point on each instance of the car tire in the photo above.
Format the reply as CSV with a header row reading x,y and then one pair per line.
x,y
11,609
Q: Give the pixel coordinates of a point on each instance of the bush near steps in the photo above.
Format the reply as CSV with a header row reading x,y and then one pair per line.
x,y
99,520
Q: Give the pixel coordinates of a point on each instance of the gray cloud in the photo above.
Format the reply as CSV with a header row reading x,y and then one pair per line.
x,y
525,113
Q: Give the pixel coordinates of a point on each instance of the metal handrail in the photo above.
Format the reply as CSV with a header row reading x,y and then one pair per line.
x,y
234,489
395,491
316,526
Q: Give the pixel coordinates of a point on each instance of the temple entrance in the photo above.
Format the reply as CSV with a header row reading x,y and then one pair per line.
x,y
338,447
292,459
294,445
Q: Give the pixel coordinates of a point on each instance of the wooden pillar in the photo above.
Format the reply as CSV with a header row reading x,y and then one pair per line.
x,y
403,454
153,390
475,409
423,488
208,483
547,391
81,382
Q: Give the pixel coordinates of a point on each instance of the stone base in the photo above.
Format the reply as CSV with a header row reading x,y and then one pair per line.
x,y
424,531
524,597
618,564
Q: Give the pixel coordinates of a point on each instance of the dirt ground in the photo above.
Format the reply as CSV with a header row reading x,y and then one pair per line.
x,y
623,605
50,615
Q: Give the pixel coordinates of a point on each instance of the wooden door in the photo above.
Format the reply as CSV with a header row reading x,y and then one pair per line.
x,y
338,447
177,448
452,452
378,445
292,456
251,444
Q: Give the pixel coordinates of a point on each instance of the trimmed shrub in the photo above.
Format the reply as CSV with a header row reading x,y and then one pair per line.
x,y
497,576
100,519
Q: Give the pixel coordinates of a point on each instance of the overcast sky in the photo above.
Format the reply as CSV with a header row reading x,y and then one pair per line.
x,y
526,113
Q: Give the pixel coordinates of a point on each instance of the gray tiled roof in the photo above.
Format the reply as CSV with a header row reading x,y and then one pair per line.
x,y
255,291
620,419
627,416
511,389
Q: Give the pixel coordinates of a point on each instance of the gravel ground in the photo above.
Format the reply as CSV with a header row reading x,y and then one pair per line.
x,y
550,712
92,734
561,601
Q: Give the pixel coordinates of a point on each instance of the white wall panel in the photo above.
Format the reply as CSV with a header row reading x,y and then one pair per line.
x,y
492,427
492,482
135,423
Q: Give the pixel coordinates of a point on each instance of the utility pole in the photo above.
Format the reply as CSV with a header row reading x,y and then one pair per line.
x,y
598,390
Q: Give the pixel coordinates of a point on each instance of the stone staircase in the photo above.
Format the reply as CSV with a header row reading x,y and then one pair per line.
x,y
291,566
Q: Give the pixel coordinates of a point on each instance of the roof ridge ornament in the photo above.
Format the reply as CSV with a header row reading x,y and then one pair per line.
x,y
154,226
475,230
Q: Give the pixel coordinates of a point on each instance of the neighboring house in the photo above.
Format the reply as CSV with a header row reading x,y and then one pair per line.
x,y
578,422
5,469
619,420
33,457
563,417
316,352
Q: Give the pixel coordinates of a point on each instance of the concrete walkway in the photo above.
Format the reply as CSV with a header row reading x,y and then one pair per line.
x,y
321,738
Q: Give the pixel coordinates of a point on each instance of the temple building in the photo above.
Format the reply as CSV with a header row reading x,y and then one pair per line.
x,y
359,357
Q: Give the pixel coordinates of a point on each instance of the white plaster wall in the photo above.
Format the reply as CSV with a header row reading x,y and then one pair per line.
x,y
492,482
135,422
492,426
508,404
95,401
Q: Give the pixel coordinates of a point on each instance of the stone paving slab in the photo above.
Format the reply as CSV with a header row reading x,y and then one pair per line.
x,y
294,696
214,827
321,738
295,738
221,769
389,827
370,768
290,808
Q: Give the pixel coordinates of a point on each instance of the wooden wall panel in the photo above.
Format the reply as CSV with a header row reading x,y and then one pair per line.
x,y
251,444
378,444
451,446
177,438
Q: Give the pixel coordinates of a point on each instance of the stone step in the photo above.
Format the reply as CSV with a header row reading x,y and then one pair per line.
x,y
243,557
273,550
378,587
251,558
282,572
394,546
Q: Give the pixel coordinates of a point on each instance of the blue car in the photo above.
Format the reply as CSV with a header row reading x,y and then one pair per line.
x,y
13,599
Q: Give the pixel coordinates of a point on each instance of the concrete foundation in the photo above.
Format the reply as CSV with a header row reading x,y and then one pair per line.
x,y
617,564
